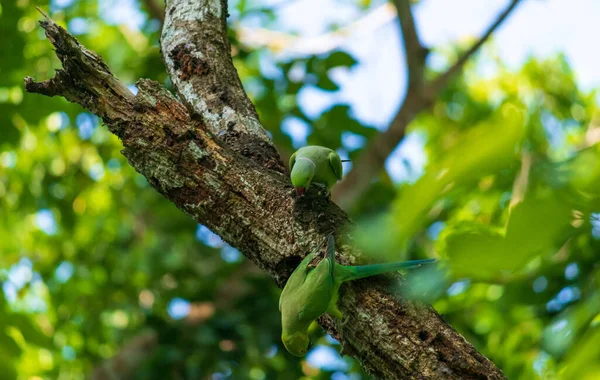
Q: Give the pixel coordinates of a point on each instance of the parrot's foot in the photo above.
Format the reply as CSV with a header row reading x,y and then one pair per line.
x,y
323,191
345,347
345,321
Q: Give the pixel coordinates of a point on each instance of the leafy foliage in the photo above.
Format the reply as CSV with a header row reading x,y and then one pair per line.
x,y
92,257
513,215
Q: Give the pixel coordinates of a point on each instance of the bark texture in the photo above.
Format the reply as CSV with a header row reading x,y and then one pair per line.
x,y
208,155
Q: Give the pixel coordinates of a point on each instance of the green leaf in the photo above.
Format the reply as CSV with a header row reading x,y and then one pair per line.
x,y
30,332
340,59
8,346
537,224
7,368
324,83
476,251
294,87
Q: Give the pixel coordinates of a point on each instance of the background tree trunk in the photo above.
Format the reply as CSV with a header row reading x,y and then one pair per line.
x,y
420,96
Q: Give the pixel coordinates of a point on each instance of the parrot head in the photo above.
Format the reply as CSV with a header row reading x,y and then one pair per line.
x,y
302,174
297,344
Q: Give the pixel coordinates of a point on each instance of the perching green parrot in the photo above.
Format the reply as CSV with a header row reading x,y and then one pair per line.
x,y
315,164
312,291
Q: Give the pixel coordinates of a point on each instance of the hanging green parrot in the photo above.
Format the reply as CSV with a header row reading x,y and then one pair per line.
x,y
311,291
315,164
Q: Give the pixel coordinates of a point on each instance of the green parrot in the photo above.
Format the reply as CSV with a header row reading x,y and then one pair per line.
x,y
315,164
313,290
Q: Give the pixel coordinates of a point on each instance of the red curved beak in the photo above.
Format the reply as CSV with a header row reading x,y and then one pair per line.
x,y
300,190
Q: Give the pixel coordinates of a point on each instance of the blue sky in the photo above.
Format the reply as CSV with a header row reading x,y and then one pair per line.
x,y
375,88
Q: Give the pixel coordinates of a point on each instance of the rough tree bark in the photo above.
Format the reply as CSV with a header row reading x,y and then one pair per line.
x,y
420,96
208,154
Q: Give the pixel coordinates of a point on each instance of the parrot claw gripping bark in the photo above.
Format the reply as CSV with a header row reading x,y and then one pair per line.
x,y
315,164
313,290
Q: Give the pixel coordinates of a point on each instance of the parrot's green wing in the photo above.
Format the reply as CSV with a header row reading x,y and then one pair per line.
x,y
292,160
297,278
301,272
336,164
308,289
317,290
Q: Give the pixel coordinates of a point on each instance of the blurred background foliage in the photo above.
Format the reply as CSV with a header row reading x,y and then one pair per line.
x,y
504,184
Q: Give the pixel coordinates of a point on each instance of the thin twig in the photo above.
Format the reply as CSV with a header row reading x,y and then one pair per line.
x,y
441,81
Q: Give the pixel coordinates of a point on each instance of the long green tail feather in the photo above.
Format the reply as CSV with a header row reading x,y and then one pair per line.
x,y
349,273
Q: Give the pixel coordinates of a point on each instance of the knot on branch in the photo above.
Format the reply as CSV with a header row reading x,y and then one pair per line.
x,y
254,148
187,62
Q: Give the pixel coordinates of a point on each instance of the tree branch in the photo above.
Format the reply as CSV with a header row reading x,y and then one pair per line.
x,y
419,97
156,10
248,201
198,59
442,80
414,51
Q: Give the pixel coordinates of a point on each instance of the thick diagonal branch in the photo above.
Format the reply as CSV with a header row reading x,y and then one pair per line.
x,y
420,96
248,201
